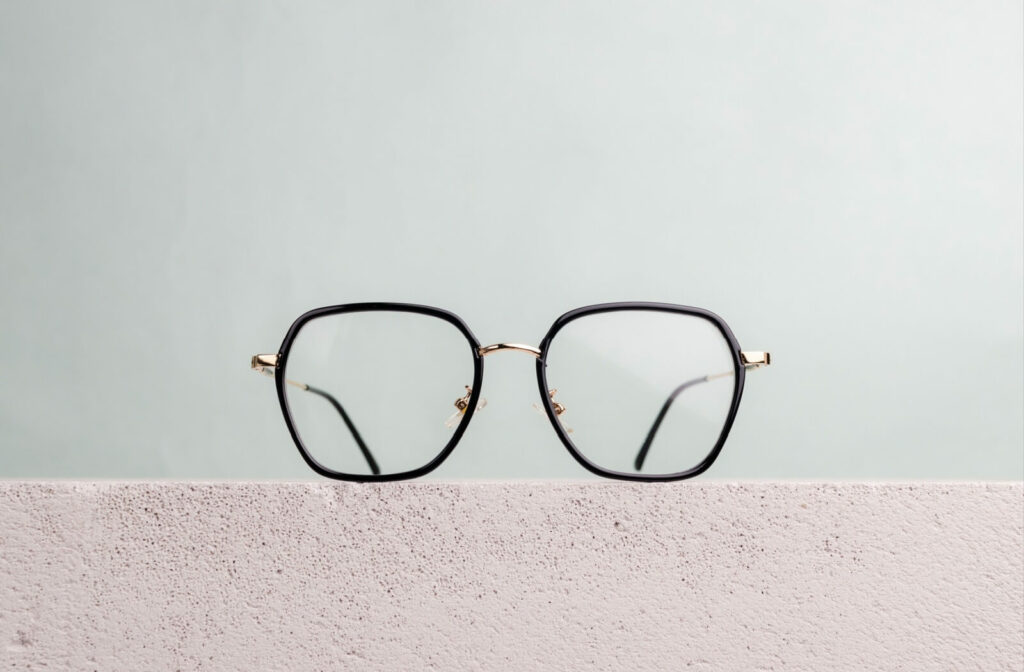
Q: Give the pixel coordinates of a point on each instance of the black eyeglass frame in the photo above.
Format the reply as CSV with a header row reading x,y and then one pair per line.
x,y
281,363
739,377
474,399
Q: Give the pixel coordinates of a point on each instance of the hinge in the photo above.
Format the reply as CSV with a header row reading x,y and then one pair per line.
x,y
264,364
755,359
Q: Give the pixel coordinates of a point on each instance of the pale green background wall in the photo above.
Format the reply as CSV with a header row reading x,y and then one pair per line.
x,y
840,181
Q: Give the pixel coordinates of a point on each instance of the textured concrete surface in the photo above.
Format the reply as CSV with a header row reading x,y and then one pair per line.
x,y
511,576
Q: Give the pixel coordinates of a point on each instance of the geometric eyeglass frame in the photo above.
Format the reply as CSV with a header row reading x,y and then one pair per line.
x,y
271,363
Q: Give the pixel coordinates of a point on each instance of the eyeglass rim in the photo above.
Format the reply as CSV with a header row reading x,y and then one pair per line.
x,y
739,379
474,399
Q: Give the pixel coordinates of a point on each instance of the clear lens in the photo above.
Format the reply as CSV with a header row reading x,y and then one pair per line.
x,y
642,392
376,388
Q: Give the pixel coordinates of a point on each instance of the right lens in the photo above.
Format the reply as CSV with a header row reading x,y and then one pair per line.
x,y
369,392
642,392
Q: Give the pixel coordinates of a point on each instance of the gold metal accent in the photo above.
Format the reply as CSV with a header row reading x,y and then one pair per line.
x,y
462,403
488,349
559,408
267,365
754,359
461,406
750,361
260,362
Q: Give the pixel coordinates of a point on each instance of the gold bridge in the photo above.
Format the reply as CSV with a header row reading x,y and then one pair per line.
x,y
488,349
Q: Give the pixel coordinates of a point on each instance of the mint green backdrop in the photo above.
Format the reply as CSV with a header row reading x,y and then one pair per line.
x,y
840,181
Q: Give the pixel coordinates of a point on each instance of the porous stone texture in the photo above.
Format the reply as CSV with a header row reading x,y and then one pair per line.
x,y
511,576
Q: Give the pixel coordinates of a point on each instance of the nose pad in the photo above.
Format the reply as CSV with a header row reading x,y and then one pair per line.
x,y
461,404
559,410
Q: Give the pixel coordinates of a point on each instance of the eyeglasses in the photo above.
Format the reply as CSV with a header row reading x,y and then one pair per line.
x,y
384,391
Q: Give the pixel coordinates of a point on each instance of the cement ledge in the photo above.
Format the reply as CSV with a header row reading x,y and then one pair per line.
x,y
502,576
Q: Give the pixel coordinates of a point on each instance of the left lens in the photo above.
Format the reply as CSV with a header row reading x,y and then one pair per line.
x,y
642,392
369,392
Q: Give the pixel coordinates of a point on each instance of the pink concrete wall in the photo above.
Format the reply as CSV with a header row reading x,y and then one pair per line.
x,y
511,576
